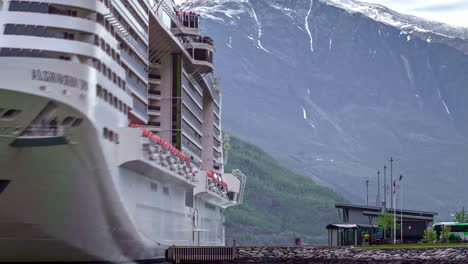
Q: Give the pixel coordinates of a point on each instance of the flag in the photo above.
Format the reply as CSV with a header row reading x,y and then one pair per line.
x,y
394,186
401,177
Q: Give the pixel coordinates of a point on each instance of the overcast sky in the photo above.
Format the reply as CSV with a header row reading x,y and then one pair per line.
x,y
453,12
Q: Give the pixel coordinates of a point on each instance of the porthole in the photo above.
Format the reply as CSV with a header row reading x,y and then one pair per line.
x,y
67,121
10,114
77,122
154,187
99,91
106,132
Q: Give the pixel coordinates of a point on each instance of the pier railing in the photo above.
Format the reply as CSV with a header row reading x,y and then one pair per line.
x,y
200,254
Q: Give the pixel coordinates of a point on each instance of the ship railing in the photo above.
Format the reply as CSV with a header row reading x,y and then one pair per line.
x,y
215,183
243,179
164,154
203,40
168,10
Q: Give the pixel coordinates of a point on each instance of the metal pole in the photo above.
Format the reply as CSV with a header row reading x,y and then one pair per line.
x,y
394,212
391,182
379,201
401,201
384,205
385,187
392,186
367,192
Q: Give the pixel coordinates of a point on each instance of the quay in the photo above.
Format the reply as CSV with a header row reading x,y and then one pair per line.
x,y
318,255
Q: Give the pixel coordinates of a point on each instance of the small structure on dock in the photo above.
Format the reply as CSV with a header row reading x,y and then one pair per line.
x,y
349,234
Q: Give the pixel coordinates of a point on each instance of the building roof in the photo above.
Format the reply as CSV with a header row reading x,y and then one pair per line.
x,y
348,226
377,209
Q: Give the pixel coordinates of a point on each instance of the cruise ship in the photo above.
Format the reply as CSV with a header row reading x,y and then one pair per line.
x,y
111,147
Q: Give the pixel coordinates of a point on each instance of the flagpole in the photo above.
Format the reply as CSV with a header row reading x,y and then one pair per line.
x,y
401,198
394,211
379,203
392,191
384,204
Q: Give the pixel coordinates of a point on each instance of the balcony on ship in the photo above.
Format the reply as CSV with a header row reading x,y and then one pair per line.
x,y
41,136
201,50
154,78
145,153
154,125
225,190
186,23
175,37
154,94
154,110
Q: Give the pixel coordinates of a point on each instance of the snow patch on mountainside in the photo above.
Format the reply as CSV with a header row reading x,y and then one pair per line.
x,y
304,113
259,27
409,72
307,26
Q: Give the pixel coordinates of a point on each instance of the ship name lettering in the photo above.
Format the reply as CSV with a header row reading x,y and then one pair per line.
x,y
59,78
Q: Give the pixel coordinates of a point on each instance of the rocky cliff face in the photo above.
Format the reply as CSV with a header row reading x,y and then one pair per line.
x,y
334,88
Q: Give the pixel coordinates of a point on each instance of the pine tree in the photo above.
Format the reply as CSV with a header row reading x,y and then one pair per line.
x,y
445,233
461,216
430,235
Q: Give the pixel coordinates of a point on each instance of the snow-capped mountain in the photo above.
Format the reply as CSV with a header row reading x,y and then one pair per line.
x,y
423,28
333,88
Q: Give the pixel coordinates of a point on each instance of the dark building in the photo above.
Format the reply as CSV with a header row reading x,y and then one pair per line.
x,y
414,222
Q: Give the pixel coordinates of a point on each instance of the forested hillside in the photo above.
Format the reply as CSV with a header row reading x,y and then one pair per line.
x,y
279,204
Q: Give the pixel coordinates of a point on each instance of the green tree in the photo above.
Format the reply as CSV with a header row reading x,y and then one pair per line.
x,y
430,235
385,222
446,234
461,216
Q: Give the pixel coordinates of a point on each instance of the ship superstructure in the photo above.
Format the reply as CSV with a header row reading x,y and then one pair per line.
x,y
110,135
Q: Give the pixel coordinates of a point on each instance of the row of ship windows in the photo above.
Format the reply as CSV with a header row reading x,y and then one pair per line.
x,y
130,30
110,135
41,8
30,30
135,15
68,11
106,71
7,52
111,99
154,188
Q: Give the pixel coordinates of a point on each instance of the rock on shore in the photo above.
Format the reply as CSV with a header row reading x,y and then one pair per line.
x,y
322,255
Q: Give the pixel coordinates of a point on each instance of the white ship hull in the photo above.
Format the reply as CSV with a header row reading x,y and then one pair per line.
x,y
77,184
74,202
62,203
